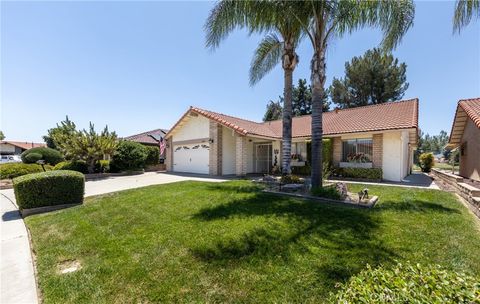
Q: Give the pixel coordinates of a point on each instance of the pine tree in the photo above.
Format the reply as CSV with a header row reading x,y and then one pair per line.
x,y
375,77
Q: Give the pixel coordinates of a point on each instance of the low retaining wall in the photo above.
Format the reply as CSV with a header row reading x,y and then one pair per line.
x,y
468,192
159,167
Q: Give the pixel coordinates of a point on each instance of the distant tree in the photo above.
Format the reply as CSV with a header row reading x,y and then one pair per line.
x,y
465,10
89,146
63,131
434,144
274,111
302,99
2,136
301,102
373,78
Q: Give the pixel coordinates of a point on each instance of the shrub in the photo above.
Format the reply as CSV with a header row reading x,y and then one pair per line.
x,y
153,155
303,170
129,156
367,173
329,192
49,189
50,156
73,165
32,158
290,179
407,283
426,161
102,166
327,151
11,170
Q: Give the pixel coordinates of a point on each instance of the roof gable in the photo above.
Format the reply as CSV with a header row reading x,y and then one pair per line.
x,y
466,109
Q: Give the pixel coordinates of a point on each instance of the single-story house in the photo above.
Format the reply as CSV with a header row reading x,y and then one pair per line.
x,y
8,147
380,136
149,138
465,135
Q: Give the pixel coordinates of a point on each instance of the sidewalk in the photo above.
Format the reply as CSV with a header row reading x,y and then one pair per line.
x,y
414,180
17,279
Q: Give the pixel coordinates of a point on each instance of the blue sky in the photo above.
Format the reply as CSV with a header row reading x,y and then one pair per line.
x,y
138,66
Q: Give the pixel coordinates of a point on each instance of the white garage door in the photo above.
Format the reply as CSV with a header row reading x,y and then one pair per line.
x,y
192,158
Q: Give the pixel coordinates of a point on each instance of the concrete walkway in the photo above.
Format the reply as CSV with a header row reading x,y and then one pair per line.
x,y
17,280
17,273
414,180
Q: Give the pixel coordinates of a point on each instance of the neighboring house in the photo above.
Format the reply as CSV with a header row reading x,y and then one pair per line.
x,y
465,135
149,138
8,147
206,142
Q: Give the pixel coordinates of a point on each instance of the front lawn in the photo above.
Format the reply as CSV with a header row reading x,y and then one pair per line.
x,y
228,242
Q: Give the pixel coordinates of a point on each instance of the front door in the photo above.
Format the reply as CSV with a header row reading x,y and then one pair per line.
x,y
263,158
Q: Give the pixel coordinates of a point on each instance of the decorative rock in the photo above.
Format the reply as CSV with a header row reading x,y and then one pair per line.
x,y
269,178
342,190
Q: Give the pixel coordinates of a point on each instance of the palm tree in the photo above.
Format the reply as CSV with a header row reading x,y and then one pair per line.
x,y
325,20
464,11
284,34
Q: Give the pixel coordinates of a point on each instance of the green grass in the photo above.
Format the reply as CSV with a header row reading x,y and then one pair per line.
x,y
229,242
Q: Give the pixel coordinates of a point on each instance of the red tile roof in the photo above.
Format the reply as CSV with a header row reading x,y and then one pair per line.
x,y
472,108
148,137
465,108
23,144
387,116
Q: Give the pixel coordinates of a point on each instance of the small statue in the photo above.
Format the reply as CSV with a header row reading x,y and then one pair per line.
x,y
362,194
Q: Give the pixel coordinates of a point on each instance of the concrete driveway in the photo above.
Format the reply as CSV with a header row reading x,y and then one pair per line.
x,y
118,183
16,265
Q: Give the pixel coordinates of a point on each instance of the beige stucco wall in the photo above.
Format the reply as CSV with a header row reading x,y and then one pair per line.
x,y
228,151
470,161
395,155
193,128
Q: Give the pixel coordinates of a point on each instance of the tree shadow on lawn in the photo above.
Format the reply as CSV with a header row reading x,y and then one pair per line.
x,y
344,238
415,205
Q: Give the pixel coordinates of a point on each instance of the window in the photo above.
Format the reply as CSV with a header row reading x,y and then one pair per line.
x,y
299,151
463,149
357,150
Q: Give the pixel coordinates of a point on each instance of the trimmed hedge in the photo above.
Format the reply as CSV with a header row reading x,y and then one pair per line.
x,y
129,156
49,189
75,165
50,156
302,170
32,158
11,170
153,155
367,173
408,283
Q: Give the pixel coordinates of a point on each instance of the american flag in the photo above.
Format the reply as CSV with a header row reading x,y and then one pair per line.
x,y
162,145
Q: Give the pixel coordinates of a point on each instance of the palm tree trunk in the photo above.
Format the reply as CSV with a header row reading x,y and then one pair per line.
x,y
287,121
318,81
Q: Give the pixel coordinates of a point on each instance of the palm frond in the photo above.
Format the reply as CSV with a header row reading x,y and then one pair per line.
x,y
465,10
227,15
224,18
267,55
394,18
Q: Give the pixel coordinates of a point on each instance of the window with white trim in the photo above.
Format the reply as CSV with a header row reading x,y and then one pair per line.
x,y
359,150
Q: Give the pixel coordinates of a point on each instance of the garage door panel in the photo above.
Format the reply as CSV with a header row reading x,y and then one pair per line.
x,y
191,158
